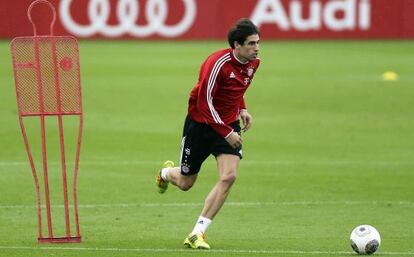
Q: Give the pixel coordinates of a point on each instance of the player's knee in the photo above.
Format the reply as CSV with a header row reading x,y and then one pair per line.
x,y
229,178
185,186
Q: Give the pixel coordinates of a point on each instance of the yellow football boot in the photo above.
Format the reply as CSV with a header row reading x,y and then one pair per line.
x,y
161,184
196,241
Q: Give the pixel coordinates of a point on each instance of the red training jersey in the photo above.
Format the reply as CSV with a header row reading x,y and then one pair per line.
x,y
218,96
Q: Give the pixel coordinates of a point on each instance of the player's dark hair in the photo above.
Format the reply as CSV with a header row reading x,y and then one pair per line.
x,y
242,29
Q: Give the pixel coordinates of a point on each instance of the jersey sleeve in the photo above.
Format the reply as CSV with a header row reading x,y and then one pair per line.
x,y
242,105
209,81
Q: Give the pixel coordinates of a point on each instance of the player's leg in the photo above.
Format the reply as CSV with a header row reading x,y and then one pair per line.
x,y
169,173
174,176
227,166
194,150
228,160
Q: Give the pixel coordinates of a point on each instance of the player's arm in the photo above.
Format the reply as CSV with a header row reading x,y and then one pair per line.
x,y
234,139
246,119
245,116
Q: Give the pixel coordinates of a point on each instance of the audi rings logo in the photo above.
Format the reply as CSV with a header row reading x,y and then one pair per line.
x,y
127,12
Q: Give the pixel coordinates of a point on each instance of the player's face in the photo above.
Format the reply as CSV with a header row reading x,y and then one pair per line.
x,y
250,49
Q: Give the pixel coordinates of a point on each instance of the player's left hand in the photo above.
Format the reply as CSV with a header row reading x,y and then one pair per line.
x,y
246,119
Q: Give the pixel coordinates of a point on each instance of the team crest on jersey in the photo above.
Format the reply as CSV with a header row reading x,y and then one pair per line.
x,y
232,76
250,71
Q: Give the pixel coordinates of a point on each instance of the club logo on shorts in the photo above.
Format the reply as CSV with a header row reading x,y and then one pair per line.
x,y
185,168
246,81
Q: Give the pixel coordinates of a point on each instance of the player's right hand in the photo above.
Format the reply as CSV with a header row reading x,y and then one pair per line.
x,y
234,139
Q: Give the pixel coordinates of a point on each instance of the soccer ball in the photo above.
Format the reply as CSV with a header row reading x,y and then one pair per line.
x,y
365,239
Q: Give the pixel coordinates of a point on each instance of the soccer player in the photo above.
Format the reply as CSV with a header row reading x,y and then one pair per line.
x,y
212,124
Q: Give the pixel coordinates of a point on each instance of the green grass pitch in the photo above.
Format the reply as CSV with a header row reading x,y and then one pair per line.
x,y
331,147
